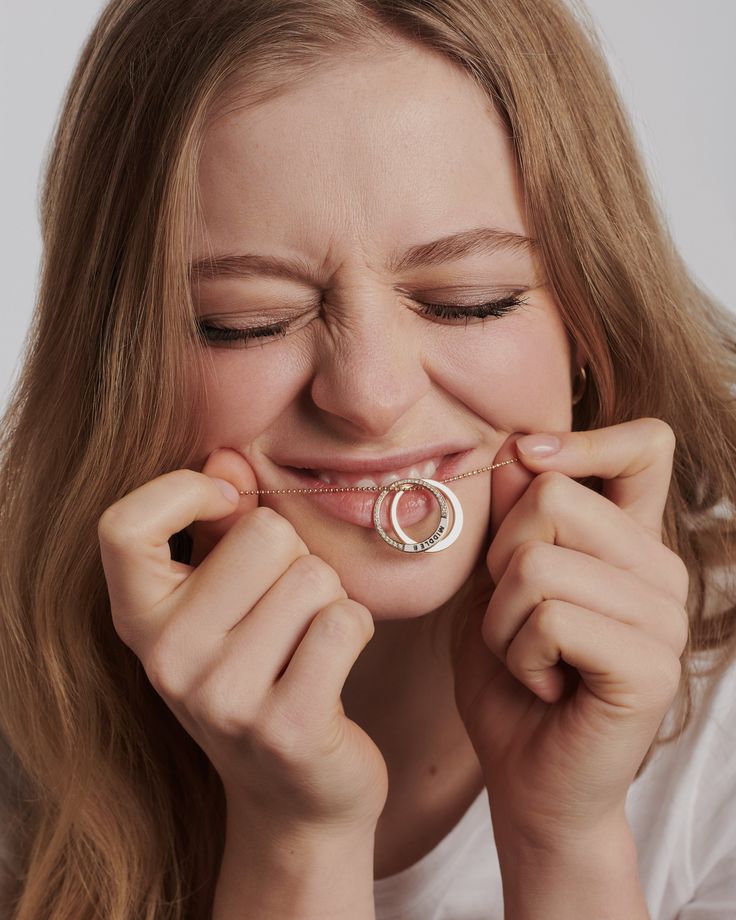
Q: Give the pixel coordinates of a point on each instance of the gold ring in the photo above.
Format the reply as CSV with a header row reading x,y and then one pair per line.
x,y
405,485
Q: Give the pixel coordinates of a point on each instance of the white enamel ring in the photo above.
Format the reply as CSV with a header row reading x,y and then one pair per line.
x,y
457,524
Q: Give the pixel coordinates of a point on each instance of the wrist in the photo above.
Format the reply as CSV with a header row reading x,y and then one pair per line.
x,y
558,842
302,876
597,871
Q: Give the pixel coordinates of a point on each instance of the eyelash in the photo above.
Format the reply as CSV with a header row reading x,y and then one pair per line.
x,y
211,332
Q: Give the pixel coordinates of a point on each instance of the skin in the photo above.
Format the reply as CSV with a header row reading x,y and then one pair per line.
x,y
375,155
383,153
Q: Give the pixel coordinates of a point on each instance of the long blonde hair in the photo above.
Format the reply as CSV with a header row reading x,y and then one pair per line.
x,y
113,810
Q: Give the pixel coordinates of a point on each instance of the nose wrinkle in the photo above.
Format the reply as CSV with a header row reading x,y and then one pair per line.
x,y
371,376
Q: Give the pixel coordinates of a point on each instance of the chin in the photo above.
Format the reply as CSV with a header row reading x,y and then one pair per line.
x,y
393,584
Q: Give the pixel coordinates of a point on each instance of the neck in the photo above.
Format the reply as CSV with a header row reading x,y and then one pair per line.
x,y
401,692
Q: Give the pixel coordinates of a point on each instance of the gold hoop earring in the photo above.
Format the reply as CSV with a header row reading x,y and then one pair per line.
x,y
578,395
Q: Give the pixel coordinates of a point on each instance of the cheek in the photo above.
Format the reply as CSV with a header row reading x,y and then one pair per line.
x,y
513,379
246,393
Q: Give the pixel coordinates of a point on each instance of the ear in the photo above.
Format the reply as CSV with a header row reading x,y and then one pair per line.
x,y
579,358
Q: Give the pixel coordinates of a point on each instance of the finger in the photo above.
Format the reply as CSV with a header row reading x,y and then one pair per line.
x,y
634,459
540,571
508,483
476,672
204,633
557,510
322,663
262,644
134,534
256,551
230,465
621,666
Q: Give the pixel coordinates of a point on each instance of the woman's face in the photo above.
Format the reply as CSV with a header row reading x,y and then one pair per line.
x,y
352,178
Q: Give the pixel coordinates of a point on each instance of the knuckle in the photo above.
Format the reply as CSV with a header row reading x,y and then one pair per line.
x,y
664,679
113,528
267,519
188,479
528,561
317,574
105,525
546,491
545,618
587,444
540,624
161,669
220,708
164,662
344,619
121,529
660,433
272,527
336,622
365,617
259,729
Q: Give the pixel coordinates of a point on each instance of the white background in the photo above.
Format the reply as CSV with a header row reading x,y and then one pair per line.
x,y
673,59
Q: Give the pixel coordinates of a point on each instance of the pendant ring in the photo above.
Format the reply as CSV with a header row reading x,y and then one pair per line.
x,y
442,536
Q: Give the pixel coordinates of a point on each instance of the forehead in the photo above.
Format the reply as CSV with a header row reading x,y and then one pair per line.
x,y
368,152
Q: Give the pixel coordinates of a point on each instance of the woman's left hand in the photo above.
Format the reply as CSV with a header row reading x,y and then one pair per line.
x,y
564,677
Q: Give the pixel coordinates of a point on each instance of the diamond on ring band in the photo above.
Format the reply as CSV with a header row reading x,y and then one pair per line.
x,y
403,485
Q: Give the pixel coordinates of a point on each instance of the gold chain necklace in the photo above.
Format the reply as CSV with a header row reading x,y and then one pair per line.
x,y
444,535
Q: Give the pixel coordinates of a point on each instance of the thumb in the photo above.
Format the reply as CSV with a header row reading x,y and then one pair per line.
x,y
508,483
223,463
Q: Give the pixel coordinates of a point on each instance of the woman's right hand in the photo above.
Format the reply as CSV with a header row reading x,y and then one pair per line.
x,y
250,650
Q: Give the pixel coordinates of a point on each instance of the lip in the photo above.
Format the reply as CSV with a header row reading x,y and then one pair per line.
x,y
382,464
357,507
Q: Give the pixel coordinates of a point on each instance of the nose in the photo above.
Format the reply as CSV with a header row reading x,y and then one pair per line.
x,y
370,371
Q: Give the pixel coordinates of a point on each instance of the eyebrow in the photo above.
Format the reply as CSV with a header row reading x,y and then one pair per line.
x,y
477,241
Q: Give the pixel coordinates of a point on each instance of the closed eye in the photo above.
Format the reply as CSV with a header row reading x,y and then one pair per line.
x,y
216,333
478,311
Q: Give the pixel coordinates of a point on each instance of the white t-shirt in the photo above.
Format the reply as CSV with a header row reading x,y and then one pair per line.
x,y
681,809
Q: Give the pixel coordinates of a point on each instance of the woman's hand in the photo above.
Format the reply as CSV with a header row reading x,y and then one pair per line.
x,y
564,677
250,649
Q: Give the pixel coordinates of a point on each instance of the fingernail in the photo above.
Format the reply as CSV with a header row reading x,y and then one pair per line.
x,y
538,445
227,489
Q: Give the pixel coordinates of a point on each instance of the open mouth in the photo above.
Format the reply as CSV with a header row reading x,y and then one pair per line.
x,y
357,507
424,470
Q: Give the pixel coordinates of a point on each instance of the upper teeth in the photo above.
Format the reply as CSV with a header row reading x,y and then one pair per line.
x,y
424,470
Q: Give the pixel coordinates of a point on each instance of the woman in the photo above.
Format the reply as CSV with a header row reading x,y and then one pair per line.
x,y
331,246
